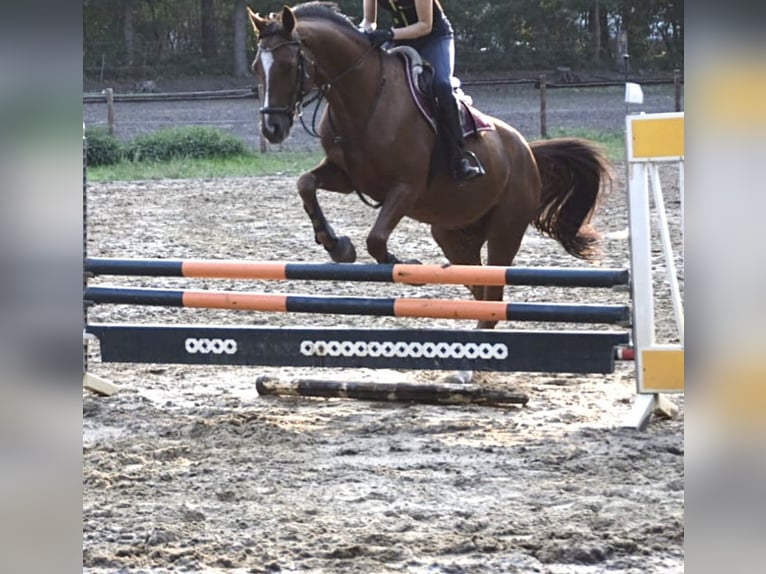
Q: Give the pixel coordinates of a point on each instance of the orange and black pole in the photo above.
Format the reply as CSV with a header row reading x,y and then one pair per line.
x,y
386,273
380,306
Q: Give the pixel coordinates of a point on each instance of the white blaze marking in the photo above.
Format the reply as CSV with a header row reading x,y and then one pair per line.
x,y
267,59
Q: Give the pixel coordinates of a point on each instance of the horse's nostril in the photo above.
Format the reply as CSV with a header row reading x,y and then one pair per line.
x,y
273,130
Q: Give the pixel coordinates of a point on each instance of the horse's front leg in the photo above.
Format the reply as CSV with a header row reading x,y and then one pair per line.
x,y
327,176
394,208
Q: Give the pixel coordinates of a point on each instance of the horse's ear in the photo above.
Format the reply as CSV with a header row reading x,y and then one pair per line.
x,y
256,21
288,20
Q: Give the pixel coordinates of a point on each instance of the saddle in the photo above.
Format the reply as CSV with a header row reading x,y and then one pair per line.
x,y
419,78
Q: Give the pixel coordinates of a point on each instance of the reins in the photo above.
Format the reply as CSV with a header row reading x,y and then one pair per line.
x,y
379,90
325,88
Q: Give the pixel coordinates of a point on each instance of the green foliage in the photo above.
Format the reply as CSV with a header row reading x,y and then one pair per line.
x,y
613,143
103,149
179,144
164,38
581,34
185,142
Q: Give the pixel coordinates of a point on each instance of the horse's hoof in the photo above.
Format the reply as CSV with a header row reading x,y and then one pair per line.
x,y
391,258
344,251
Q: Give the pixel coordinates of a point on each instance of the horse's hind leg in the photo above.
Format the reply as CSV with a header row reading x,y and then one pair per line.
x,y
505,228
500,251
330,177
461,247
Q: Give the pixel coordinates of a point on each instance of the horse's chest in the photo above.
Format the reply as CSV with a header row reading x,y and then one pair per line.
x,y
368,174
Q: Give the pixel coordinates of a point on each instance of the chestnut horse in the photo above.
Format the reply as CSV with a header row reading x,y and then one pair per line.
x,y
377,143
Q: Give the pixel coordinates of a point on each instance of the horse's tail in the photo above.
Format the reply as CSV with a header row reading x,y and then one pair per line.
x,y
573,173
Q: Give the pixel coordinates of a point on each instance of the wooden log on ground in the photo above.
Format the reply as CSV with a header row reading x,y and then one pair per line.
x,y
434,394
98,385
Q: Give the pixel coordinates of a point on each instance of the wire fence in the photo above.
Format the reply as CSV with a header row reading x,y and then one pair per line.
x,y
536,107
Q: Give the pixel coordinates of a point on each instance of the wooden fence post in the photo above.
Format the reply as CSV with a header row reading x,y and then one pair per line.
x,y
109,92
543,106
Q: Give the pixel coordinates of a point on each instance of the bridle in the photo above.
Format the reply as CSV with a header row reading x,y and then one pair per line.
x,y
301,75
323,90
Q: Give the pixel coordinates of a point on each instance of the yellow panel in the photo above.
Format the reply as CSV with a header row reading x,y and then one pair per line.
x,y
658,137
736,384
730,94
663,369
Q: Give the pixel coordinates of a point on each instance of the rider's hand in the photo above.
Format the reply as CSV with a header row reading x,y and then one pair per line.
x,y
379,37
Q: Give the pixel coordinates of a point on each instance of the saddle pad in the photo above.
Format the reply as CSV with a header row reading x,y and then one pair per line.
x,y
472,120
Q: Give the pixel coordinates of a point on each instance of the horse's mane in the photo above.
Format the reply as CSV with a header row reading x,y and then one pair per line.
x,y
324,10
321,10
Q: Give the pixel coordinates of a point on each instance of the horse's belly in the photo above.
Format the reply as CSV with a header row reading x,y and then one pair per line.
x,y
454,206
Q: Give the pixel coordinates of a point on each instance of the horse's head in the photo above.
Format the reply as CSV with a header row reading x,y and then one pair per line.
x,y
310,44
282,71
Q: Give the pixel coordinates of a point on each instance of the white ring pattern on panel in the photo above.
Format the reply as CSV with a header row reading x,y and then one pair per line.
x,y
403,349
213,346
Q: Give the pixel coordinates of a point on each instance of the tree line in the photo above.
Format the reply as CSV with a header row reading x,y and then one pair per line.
x,y
143,39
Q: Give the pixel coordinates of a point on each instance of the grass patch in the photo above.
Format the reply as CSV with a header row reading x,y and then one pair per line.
x,y
195,142
103,149
244,165
612,142
280,162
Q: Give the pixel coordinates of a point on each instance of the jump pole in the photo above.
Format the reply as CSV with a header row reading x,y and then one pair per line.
x,y
378,306
372,272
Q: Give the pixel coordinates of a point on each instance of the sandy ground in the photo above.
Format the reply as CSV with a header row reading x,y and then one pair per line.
x,y
188,469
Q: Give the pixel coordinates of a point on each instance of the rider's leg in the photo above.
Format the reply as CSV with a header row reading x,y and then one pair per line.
x,y
440,53
461,162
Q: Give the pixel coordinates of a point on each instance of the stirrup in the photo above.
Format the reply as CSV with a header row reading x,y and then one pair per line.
x,y
476,162
464,171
